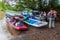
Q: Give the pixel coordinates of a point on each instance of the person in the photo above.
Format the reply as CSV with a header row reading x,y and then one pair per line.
x,y
43,15
16,19
51,18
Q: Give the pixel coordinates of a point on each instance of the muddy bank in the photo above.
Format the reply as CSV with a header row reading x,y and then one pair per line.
x,y
43,33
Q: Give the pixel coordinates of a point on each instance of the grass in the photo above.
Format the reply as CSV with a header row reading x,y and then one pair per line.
x,y
1,12
2,15
1,6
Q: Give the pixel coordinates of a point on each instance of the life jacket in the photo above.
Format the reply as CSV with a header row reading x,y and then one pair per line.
x,y
18,24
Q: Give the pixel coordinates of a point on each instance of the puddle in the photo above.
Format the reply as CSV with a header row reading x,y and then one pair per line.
x,y
4,34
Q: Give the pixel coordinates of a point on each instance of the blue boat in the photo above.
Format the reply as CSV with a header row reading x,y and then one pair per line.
x,y
33,21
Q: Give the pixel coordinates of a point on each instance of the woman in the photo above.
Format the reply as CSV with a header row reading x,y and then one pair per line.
x,y
43,15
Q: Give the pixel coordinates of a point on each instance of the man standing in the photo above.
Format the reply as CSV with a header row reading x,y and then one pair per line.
x,y
51,18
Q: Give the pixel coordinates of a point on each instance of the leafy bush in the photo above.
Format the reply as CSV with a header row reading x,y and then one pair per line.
x,y
1,6
32,4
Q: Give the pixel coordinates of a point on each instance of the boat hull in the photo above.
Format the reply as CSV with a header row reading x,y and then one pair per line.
x,y
37,23
24,27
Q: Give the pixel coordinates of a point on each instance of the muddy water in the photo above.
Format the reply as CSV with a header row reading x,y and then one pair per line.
x,y
4,34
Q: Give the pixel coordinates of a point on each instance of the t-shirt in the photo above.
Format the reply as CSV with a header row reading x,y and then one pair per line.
x,y
52,15
43,14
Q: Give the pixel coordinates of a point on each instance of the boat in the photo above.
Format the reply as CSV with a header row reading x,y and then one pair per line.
x,y
13,24
33,21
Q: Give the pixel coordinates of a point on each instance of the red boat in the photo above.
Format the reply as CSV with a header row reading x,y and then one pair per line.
x,y
14,23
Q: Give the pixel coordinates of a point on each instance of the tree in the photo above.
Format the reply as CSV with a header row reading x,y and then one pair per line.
x,y
32,4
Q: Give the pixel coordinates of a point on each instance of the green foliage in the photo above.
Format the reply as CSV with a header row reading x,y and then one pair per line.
x,y
32,4
1,6
17,7
28,9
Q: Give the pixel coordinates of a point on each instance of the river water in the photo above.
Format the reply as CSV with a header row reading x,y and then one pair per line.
x,y
4,34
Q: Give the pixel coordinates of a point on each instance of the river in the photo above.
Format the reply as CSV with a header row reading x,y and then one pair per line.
x,y
4,34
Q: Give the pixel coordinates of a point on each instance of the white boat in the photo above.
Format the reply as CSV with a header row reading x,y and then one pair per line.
x,y
35,23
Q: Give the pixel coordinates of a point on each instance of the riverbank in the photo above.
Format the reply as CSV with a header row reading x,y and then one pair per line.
x,y
2,15
4,33
43,33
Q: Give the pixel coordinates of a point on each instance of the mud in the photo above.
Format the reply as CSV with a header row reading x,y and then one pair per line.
x,y
43,33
